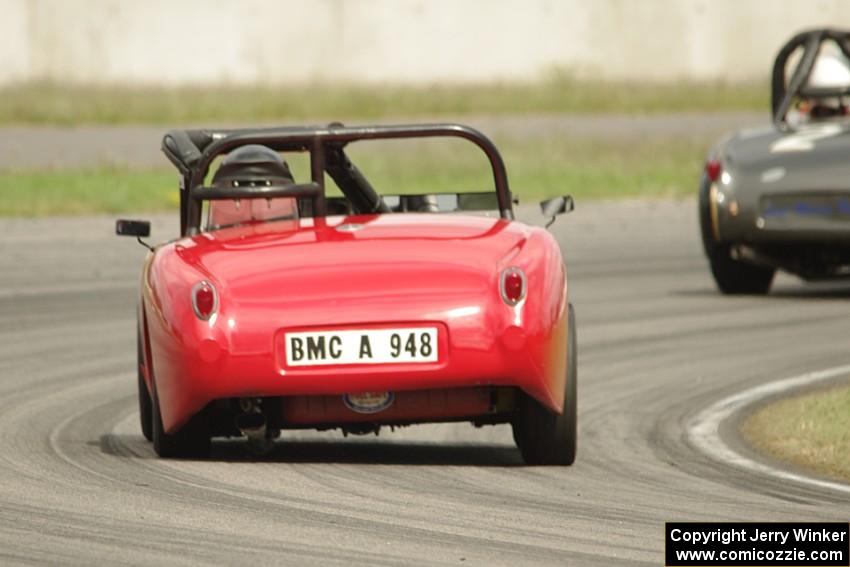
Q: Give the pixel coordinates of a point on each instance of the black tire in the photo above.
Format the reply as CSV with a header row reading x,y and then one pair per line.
x,y
544,437
145,403
732,277
739,278
192,441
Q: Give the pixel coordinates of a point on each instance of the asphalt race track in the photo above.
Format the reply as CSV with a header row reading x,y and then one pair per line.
x,y
78,484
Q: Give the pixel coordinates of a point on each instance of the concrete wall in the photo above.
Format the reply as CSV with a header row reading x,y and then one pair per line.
x,y
413,41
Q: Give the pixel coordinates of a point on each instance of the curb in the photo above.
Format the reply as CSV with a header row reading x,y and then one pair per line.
x,y
703,430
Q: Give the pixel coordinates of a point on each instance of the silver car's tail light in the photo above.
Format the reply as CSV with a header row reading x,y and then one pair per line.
x,y
713,169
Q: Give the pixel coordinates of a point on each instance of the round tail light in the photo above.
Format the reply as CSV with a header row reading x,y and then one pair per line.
x,y
204,300
512,286
712,169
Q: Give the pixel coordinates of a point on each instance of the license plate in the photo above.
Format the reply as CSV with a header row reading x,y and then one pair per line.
x,y
835,207
366,346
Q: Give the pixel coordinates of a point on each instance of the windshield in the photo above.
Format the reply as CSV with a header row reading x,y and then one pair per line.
x,y
427,174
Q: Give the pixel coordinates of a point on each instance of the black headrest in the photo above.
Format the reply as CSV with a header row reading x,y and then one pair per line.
x,y
252,165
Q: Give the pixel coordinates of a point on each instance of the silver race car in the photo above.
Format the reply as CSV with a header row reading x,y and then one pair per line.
x,y
779,197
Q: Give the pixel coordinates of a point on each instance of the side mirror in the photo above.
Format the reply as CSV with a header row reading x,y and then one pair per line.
x,y
555,206
137,228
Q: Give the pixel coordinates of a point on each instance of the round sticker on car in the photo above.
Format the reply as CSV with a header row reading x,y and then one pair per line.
x,y
368,402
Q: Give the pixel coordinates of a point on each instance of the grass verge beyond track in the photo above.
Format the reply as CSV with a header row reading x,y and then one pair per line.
x,y
811,431
40,103
536,169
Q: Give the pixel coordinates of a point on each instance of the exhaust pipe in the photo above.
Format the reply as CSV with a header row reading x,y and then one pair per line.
x,y
251,422
252,425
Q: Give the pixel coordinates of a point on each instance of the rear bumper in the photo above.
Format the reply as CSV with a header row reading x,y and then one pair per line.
x,y
217,365
803,217
397,408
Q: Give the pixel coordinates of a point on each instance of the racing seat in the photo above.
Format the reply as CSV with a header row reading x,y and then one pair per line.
x,y
256,166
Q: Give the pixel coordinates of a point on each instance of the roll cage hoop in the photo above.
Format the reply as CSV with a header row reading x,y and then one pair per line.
x,y
193,152
784,89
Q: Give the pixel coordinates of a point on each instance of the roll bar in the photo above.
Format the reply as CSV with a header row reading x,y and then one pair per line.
x,y
783,90
193,152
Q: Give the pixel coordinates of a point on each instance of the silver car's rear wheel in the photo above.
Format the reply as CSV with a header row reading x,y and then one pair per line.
x,y
736,278
731,276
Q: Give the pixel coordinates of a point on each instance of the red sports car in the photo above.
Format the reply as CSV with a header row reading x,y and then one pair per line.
x,y
282,306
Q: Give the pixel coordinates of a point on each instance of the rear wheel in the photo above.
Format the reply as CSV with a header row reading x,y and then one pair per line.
x,y
145,403
545,437
731,276
734,277
192,440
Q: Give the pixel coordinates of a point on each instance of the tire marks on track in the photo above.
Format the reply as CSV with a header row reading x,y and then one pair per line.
x,y
656,345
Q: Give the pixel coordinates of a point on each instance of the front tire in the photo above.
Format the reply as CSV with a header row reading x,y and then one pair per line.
x,y
732,277
542,436
192,440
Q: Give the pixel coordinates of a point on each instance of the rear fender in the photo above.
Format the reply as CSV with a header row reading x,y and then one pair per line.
x,y
543,318
146,364
176,336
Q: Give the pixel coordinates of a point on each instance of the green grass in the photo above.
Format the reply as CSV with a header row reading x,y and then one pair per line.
x,y
536,169
811,431
46,103
86,191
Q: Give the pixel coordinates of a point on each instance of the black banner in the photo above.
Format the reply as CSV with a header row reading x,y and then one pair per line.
x,y
741,544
